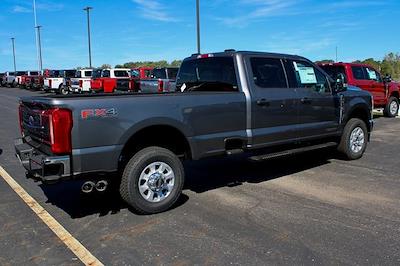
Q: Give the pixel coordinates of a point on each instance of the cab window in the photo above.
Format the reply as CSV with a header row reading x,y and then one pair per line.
x,y
373,75
268,73
358,72
307,76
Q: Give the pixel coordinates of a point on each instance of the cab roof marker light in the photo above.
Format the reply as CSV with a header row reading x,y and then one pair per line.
x,y
204,56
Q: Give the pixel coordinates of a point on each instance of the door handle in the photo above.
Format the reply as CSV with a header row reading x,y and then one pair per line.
x,y
305,100
263,102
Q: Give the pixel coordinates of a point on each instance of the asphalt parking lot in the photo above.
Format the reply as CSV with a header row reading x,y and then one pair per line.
x,y
309,209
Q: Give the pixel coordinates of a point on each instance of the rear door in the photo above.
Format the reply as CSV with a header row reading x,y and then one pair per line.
x,y
274,109
318,115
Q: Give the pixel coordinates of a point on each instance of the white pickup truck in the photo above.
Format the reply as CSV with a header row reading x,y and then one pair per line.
x,y
81,82
58,81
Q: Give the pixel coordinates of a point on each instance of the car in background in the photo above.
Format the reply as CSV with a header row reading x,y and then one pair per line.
x,y
18,77
28,80
58,81
384,91
138,74
1,79
81,82
9,79
110,80
161,80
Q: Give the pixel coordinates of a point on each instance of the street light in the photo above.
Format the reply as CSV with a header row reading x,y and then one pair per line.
x,y
87,9
38,52
40,48
198,25
13,47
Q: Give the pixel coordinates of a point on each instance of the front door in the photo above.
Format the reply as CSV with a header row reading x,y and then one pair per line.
x,y
274,108
318,107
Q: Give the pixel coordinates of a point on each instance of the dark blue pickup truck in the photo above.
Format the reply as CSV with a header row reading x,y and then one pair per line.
x,y
262,104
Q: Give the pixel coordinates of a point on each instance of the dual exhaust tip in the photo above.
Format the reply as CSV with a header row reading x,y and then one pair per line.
x,y
90,186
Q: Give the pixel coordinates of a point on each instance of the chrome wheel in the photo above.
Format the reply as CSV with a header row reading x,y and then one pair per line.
x,y
156,182
357,140
393,108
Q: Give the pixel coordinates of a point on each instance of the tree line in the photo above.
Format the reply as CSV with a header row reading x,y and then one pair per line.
x,y
390,64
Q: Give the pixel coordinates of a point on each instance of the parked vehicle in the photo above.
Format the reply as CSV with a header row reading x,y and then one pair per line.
x,y
386,93
266,105
138,74
81,82
1,79
110,80
58,81
10,78
162,80
28,80
18,78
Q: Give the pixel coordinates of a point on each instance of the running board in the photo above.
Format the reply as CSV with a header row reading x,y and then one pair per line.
x,y
292,151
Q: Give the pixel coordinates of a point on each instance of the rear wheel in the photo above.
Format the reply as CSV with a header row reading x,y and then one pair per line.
x,y
64,90
392,107
152,180
354,139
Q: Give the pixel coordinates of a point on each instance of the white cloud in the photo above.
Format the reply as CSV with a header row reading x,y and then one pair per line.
x,y
154,10
21,9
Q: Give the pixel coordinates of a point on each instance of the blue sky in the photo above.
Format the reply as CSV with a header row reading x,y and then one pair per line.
x,y
133,30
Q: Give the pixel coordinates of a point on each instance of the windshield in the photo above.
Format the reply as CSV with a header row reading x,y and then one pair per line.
x,y
21,73
34,73
69,73
121,73
208,74
333,71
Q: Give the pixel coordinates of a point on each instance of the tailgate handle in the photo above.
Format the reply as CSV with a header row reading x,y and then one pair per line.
x,y
263,102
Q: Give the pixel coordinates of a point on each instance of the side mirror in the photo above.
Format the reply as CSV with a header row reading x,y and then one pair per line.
x,y
340,84
387,78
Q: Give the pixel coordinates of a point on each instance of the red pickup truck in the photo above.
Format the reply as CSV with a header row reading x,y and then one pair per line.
x,y
110,80
384,91
138,74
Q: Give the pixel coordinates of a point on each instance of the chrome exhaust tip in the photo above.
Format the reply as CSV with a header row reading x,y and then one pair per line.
x,y
101,185
88,187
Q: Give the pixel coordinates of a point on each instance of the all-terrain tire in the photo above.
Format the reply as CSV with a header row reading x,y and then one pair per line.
x,y
392,107
129,187
354,140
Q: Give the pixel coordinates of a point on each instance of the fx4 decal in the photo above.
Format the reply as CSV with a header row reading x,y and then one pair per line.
x,y
98,113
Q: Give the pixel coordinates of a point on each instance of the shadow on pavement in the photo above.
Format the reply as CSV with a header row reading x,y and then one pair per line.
x,y
201,176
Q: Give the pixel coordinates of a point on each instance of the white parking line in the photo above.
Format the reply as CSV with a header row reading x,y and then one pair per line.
x,y
74,245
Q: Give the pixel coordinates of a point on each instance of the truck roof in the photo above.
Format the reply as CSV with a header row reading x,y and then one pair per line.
x,y
345,64
231,52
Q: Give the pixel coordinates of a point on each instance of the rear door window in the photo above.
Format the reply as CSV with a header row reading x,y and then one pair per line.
x,y
159,74
268,73
358,73
334,71
207,74
106,73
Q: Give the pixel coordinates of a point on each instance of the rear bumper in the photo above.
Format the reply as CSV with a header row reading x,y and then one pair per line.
x,y
39,165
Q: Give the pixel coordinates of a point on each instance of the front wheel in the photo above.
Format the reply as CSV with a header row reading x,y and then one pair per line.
x,y
392,107
354,140
152,180
64,90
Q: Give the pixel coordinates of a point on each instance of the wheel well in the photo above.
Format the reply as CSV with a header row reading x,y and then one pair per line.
x,y
362,114
162,136
395,94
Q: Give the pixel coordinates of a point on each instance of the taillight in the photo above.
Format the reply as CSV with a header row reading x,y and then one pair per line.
x,y
80,83
60,130
160,85
20,119
49,83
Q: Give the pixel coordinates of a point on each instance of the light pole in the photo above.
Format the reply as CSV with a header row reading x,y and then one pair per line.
x,y
198,25
87,9
13,47
40,48
38,56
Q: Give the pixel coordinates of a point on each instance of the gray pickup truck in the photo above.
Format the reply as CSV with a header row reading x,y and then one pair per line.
x,y
162,80
261,104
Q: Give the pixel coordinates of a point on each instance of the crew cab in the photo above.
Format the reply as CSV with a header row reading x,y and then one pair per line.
x,y
58,81
138,74
161,80
386,93
81,82
28,81
110,80
263,105
10,78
